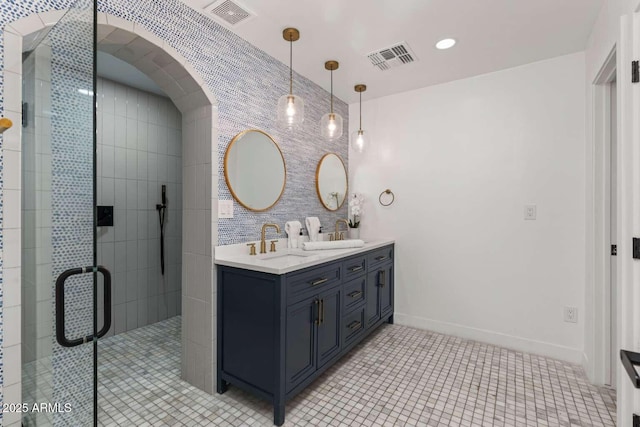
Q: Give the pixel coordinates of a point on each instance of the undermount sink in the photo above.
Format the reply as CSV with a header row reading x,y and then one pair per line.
x,y
292,256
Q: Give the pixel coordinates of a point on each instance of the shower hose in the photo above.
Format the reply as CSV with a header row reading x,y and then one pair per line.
x,y
162,208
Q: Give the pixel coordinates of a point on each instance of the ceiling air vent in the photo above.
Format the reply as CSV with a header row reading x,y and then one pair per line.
x,y
230,12
391,57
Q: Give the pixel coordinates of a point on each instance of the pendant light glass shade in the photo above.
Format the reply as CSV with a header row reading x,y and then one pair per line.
x,y
290,110
359,138
359,141
290,106
331,123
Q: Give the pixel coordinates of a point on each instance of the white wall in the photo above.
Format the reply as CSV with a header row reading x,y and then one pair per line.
x,y
463,158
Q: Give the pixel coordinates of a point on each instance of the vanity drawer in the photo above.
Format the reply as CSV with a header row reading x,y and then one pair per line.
x,y
380,256
315,280
354,267
354,293
353,325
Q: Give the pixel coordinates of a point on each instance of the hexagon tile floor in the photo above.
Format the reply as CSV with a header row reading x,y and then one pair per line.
x,y
398,376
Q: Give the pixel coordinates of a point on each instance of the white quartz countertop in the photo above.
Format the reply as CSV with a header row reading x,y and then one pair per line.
x,y
286,260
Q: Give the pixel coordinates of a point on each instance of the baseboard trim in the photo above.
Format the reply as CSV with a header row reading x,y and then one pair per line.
x,y
555,351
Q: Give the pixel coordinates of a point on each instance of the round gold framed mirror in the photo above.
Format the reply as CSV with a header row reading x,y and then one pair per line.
x,y
331,181
254,170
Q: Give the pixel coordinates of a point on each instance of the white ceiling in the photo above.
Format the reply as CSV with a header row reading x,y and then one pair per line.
x,y
492,35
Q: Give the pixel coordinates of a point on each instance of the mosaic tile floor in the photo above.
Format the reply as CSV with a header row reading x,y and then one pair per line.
x,y
399,376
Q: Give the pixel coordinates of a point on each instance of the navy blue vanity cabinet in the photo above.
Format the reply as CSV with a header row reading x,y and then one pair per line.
x,y
329,325
300,352
313,335
379,299
278,333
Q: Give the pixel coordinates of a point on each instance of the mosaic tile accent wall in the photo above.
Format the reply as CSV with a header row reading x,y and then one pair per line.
x,y
247,83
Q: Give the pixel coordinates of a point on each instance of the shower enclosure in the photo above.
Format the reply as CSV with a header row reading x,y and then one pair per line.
x,y
61,292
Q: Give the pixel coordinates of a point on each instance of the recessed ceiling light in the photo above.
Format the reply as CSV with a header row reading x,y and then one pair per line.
x,y
445,44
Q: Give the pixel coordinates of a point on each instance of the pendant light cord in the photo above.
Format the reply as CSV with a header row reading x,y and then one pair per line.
x,y
360,111
331,91
290,66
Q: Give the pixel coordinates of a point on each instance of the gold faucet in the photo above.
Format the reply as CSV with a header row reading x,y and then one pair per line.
x,y
338,234
263,243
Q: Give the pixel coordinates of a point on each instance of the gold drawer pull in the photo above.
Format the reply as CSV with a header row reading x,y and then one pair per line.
x,y
355,294
381,257
354,325
355,268
319,281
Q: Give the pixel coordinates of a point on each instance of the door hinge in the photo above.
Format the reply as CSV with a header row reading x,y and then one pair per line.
x,y
635,72
636,248
25,114
614,250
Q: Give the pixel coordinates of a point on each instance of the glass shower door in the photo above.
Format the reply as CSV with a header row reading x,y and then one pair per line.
x,y
59,272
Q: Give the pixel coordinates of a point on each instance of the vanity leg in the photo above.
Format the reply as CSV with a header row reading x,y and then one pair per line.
x,y
221,386
278,414
390,320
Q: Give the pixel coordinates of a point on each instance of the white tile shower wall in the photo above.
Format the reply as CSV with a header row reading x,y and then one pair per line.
x,y
139,137
197,275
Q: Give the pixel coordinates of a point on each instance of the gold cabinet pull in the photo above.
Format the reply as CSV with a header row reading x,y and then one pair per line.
x,y
319,281
354,325
355,268
317,321
382,278
355,294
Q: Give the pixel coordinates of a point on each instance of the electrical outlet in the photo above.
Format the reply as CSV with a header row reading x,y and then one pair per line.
x,y
530,212
571,314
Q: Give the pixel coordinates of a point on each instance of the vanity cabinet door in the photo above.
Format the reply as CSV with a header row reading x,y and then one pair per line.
x,y
372,306
385,286
329,326
301,341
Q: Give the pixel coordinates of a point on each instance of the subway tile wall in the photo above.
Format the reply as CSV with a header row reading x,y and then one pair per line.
x,y
139,140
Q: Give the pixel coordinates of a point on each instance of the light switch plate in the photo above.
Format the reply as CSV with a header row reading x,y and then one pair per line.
x,y
530,212
225,208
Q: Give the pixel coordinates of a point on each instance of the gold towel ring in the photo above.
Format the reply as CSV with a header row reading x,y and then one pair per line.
x,y
387,191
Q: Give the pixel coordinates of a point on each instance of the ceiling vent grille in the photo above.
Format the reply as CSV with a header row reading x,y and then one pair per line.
x,y
230,12
391,57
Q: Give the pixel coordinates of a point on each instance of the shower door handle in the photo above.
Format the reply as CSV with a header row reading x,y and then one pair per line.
x,y
60,336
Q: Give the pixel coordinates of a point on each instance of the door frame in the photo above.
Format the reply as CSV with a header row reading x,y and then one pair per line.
x,y
601,258
628,213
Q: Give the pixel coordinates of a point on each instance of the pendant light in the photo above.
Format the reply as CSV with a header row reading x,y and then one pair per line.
x,y
359,139
331,123
290,107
